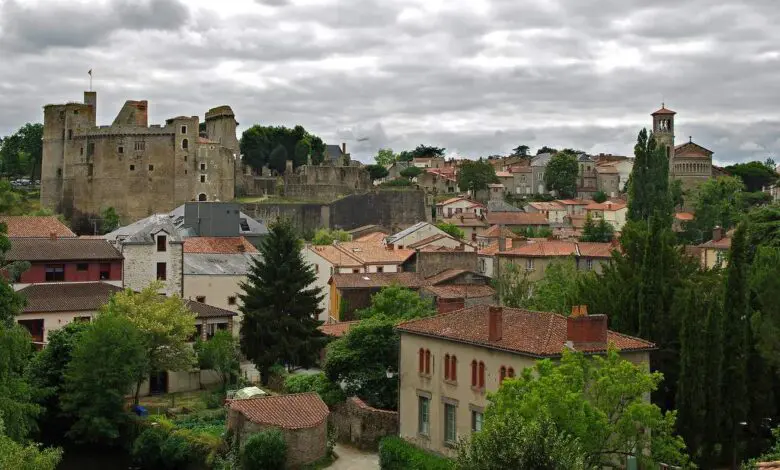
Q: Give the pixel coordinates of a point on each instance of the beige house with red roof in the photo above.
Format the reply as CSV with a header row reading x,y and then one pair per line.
x,y
613,212
714,253
450,362
536,255
456,206
554,211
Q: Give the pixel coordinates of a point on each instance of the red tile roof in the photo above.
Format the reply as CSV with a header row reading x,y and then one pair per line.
x,y
445,275
536,334
492,248
338,329
377,280
543,249
574,202
606,206
218,245
722,244
547,206
373,253
466,220
494,230
516,218
296,411
461,291
503,174
429,240
683,216
596,250
61,249
374,237
335,256
663,110
606,169
23,226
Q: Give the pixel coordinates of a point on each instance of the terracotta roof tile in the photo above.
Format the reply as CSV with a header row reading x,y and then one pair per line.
x,y
466,220
543,249
520,169
596,250
429,240
683,216
296,411
723,244
374,280
218,245
494,230
574,202
374,237
516,218
61,249
461,291
335,256
664,110
207,311
536,334
606,169
23,226
492,248
445,275
503,174
606,206
451,201
338,329
372,253
72,297
547,206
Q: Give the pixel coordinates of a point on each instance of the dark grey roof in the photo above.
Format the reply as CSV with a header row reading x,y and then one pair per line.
x,y
541,160
333,152
207,311
397,236
72,297
61,249
584,157
217,264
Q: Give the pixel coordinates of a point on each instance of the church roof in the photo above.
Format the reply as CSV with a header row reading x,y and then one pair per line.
x,y
690,149
663,110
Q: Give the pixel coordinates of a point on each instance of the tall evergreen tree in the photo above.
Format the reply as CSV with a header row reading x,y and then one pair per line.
x,y
279,305
649,189
735,348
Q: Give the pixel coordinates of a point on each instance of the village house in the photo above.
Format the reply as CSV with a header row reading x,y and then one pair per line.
x,y
438,180
574,206
458,205
609,181
428,162
454,289
442,241
449,363
538,167
30,226
518,220
613,212
471,224
554,211
415,233
351,292
492,234
534,256
714,253
522,180
302,418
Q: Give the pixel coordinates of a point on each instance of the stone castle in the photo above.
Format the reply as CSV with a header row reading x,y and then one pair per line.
x,y
131,166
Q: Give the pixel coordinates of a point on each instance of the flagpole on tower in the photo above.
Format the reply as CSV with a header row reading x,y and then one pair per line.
x,y
90,79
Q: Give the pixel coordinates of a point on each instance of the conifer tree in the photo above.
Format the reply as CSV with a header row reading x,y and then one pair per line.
x,y
280,307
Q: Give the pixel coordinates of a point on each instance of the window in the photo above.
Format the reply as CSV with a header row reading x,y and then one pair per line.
x,y
202,178
501,374
59,171
232,300
183,129
105,271
90,149
380,269
510,373
55,272
185,144
185,159
70,134
423,415
450,434
162,243
481,374
589,264
132,167
90,170
476,421
198,333
82,266
201,299
428,362
446,367
453,368
529,264
81,151
82,319
120,149
316,268
162,274
421,358
202,167
140,146
202,197
151,167
355,271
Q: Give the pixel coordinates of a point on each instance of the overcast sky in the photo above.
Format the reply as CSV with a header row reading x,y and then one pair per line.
x,y
478,77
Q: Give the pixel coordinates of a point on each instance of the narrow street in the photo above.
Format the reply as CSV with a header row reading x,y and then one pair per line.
x,y
354,459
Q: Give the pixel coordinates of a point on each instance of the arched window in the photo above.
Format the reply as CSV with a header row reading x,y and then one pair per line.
x,y
446,367
501,374
427,361
202,197
185,144
510,373
473,373
453,368
481,374
422,361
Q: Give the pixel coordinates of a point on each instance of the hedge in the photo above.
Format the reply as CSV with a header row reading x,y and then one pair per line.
x,y
330,393
397,454
264,450
167,445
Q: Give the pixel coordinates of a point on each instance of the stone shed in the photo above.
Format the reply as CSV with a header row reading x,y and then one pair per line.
x,y
302,418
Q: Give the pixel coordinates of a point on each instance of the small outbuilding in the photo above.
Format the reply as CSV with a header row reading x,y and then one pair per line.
x,y
302,418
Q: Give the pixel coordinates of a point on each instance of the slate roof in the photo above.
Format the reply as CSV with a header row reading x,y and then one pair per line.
x,y
377,280
445,275
218,264
218,245
333,152
207,311
72,297
61,249
295,411
541,160
535,334
23,226
407,231
517,218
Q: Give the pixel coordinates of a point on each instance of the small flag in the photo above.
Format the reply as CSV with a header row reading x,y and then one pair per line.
x,y
90,72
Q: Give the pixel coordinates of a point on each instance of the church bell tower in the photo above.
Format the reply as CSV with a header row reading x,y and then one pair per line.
x,y
663,130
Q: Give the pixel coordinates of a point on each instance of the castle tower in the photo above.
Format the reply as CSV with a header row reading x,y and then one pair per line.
x,y
221,127
663,129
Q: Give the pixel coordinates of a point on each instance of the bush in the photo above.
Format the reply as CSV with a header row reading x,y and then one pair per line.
x,y
194,439
397,454
264,450
146,448
214,400
176,451
326,389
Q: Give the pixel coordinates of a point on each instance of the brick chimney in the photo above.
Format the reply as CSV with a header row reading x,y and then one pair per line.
x,y
582,328
52,235
717,233
495,323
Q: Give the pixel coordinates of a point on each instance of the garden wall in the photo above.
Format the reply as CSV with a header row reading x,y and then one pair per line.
x,y
361,425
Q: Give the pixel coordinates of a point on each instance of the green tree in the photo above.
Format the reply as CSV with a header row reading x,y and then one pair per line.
x,y
411,172
221,354
385,157
765,284
513,286
508,440
301,155
21,153
736,315
398,303
278,159
561,173
765,226
11,303
600,196
330,392
264,450
326,236
521,151
451,229
600,401
17,406
546,149
558,290
476,176
107,360
258,143
280,308
423,151
110,220
771,455
360,362
717,202
14,455
649,190
377,171
166,325
601,232
755,175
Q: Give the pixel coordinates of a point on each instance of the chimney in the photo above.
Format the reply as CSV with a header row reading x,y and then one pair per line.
x,y
344,148
495,323
241,248
717,233
52,235
586,329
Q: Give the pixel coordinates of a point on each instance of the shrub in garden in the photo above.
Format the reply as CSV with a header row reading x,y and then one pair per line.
x,y
146,448
397,454
264,451
330,393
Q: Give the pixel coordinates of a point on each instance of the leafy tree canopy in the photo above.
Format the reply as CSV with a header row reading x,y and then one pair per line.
x,y
21,153
601,231
14,455
385,157
600,196
717,202
17,396
546,149
398,303
259,142
377,171
649,190
521,151
220,353
422,151
755,175
325,236
451,229
264,450
476,176
560,175
330,392
411,172
110,220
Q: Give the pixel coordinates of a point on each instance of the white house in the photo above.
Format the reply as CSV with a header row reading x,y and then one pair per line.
x,y
554,211
612,212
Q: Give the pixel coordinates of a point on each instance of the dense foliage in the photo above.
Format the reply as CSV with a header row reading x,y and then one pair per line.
x,y
264,450
600,196
220,353
18,456
330,392
560,175
325,236
476,176
272,145
421,151
397,454
601,231
17,401
451,229
21,153
385,157
411,172
755,175
398,303
376,171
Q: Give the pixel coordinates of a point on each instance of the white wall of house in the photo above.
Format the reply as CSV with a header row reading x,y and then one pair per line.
x,y
422,233
217,290
140,266
485,265
53,321
386,268
459,207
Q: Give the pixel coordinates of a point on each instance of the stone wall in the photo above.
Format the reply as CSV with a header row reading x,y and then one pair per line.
x,y
428,263
140,261
361,425
325,183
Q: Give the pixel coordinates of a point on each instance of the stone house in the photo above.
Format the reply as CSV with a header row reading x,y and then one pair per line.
x,y
534,256
587,178
30,226
574,206
518,220
609,181
538,167
613,212
554,211
492,235
522,183
441,241
458,205
438,180
428,162
471,224
454,289
450,362
301,417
